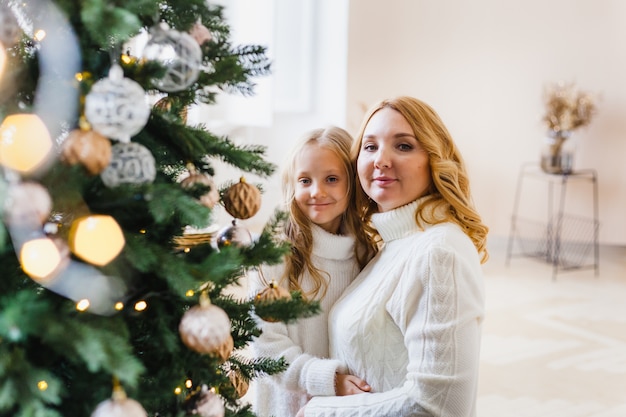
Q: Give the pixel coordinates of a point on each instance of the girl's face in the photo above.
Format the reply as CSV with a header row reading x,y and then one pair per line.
x,y
321,189
392,165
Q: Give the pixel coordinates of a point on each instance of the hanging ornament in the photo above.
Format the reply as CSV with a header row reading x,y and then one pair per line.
x,y
9,27
269,294
212,196
131,163
204,402
205,328
200,33
178,52
116,106
88,148
233,235
240,383
119,405
165,105
27,204
242,200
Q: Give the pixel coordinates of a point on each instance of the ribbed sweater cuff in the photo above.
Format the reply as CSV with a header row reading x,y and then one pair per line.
x,y
320,377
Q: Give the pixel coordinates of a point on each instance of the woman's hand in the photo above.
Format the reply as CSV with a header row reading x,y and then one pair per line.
x,y
350,384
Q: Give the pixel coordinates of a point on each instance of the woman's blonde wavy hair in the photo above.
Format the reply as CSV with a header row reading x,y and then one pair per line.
x,y
297,228
449,191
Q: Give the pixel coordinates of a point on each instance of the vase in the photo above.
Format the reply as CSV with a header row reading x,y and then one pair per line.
x,y
557,155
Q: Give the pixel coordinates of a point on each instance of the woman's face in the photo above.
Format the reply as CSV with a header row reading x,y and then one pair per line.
x,y
392,165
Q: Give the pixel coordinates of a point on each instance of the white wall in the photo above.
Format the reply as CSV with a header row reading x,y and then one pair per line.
x,y
483,66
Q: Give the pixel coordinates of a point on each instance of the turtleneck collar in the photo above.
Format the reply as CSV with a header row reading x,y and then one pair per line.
x,y
397,223
331,246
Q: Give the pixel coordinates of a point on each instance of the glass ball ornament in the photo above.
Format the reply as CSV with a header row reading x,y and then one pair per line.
x,y
203,402
131,163
116,106
27,204
119,405
233,235
178,52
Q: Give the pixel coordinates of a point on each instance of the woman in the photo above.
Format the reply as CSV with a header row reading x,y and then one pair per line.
x,y
410,323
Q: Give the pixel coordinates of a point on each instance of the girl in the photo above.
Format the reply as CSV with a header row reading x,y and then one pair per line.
x,y
328,249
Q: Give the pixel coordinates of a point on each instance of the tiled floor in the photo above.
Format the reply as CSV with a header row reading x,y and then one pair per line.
x,y
554,347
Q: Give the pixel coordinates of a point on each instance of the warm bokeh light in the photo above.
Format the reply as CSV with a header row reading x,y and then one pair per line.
x,y
42,385
25,142
40,258
141,305
3,58
83,305
178,390
188,383
119,306
39,35
189,293
97,239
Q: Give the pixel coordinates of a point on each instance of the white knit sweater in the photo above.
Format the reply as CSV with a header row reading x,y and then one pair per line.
x,y
410,324
304,344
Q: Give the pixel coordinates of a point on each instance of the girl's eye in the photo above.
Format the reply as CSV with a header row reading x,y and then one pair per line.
x,y
332,179
304,181
369,147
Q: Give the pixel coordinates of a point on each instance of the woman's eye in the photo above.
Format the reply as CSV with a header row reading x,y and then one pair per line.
x,y
369,147
405,147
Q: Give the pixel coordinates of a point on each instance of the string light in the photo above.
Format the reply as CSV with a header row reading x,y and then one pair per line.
x,y
39,35
42,385
119,306
178,390
188,383
82,305
189,293
141,305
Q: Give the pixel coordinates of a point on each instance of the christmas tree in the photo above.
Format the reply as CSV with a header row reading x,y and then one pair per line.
x,y
114,288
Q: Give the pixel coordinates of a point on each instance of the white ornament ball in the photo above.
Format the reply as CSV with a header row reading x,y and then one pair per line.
x,y
116,106
9,27
205,403
131,163
126,407
27,204
206,329
179,53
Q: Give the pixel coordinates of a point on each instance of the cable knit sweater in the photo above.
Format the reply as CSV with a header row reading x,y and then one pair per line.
x,y
410,324
304,344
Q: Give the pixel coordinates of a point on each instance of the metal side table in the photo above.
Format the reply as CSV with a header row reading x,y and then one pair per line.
x,y
565,241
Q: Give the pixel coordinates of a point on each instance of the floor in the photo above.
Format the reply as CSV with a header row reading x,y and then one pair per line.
x,y
553,347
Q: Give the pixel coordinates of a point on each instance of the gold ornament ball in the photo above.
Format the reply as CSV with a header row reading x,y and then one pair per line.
x,y
242,200
271,293
210,198
88,148
239,382
206,329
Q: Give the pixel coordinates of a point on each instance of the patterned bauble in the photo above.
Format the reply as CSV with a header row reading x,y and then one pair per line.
x,y
165,105
119,406
233,235
242,200
178,52
205,328
240,383
27,204
9,27
273,292
204,403
131,163
212,196
89,148
117,107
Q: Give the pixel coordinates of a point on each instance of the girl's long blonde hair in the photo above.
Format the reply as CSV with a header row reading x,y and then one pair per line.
x,y
450,189
297,228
